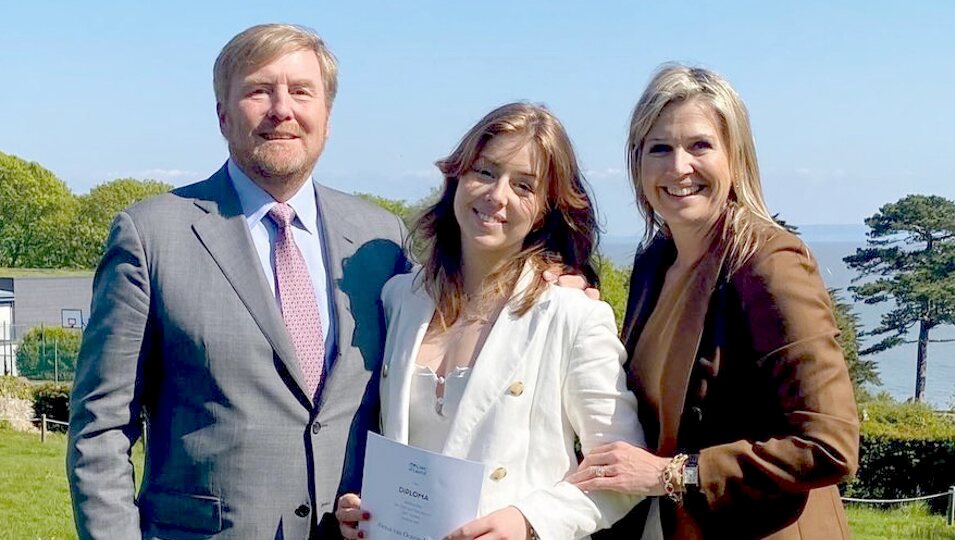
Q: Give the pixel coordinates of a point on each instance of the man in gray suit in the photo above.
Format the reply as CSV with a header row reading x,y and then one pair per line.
x,y
252,346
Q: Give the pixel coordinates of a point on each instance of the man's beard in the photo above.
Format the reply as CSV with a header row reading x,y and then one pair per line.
x,y
273,166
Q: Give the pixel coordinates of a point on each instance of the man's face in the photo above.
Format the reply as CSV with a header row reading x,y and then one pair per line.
x,y
276,120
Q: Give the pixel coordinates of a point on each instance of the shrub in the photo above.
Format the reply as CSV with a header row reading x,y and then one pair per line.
x,y
16,387
906,450
53,400
49,351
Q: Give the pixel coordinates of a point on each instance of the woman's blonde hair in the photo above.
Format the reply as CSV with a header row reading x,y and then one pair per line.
x,y
564,232
259,45
746,211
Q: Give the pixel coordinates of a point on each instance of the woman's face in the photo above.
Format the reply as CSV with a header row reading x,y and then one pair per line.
x,y
684,169
497,202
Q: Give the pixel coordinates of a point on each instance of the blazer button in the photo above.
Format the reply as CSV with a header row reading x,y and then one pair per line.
x,y
302,511
316,427
516,389
499,473
384,371
698,412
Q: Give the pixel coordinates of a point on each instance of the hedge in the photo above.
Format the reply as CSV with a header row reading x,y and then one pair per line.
x,y
16,387
53,400
906,450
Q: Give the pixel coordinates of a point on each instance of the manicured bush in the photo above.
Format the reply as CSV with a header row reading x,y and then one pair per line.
x,y
53,400
906,450
49,352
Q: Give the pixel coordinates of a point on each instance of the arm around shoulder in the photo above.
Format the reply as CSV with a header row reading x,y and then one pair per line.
x,y
602,410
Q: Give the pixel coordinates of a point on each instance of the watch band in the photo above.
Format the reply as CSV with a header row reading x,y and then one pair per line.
x,y
691,473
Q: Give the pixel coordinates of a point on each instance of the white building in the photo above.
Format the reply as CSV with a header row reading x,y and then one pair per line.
x,y
8,349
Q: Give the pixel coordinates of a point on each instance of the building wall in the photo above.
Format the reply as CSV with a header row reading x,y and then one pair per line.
x,y
40,300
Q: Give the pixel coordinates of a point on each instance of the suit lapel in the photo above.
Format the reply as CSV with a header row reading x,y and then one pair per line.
x,y
225,234
500,357
338,230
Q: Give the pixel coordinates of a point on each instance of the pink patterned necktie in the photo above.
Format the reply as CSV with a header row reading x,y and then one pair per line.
x,y
299,306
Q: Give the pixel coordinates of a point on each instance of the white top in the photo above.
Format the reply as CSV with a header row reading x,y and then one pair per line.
x,y
430,416
540,379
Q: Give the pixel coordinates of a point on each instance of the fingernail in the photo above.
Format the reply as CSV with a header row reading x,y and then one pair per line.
x,y
361,534
365,515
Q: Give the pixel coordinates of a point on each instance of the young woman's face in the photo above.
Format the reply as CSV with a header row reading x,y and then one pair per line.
x,y
497,201
685,168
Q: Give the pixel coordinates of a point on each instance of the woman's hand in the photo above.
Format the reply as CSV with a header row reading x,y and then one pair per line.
x,y
621,467
349,513
506,523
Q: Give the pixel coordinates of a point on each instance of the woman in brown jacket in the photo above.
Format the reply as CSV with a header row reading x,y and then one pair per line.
x,y
744,393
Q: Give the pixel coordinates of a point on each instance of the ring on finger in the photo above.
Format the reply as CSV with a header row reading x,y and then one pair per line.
x,y
600,471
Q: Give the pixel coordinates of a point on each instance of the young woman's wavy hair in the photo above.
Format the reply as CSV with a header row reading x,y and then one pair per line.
x,y
746,213
565,232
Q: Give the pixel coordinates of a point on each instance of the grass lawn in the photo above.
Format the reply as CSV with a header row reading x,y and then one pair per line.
x,y
34,497
906,521
35,500
44,272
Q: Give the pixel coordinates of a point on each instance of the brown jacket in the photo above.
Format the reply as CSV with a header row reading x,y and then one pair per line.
x,y
755,382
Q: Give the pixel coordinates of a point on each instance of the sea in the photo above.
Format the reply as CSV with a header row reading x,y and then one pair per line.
x,y
830,243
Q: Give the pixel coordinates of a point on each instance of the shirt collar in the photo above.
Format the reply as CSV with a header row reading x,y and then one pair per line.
x,y
256,202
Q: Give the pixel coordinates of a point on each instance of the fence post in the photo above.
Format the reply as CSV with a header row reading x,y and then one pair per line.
x,y
42,428
56,358
951,506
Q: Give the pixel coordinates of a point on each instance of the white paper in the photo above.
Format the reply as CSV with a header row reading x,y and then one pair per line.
x,y
414,494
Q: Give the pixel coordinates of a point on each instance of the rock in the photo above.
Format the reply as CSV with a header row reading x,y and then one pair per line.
x,y
18,413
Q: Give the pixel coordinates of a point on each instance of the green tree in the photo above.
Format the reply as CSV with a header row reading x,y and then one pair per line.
x,y
614,286
96,211
49,352
910,256
36,209
862,370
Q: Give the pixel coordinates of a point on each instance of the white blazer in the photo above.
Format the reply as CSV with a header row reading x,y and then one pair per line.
x,y
539,379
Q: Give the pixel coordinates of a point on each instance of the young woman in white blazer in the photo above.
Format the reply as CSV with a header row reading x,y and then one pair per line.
x,y
484,359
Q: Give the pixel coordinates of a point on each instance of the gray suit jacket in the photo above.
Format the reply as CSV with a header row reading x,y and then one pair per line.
x,y
185,329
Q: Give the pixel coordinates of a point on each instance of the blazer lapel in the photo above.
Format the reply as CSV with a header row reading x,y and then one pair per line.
x,y
649,269
500,357
675,342
417,310
225,234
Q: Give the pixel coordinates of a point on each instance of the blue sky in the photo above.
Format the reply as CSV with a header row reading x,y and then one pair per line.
x,y
851,104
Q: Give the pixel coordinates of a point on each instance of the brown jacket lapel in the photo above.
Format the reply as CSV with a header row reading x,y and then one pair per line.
x,y
665,352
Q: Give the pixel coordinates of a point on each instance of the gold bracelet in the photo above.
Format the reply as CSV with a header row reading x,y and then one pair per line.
x,y
672,477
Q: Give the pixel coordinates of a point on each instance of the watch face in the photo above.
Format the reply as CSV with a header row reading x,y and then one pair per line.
x,y
690,476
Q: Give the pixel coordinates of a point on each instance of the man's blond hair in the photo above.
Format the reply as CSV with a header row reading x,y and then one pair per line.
x,y
261,44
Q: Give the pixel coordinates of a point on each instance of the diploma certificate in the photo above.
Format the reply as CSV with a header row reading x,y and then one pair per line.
x,y
414,494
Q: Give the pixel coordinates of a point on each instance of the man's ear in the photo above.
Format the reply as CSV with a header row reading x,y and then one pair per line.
x,y
220,113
